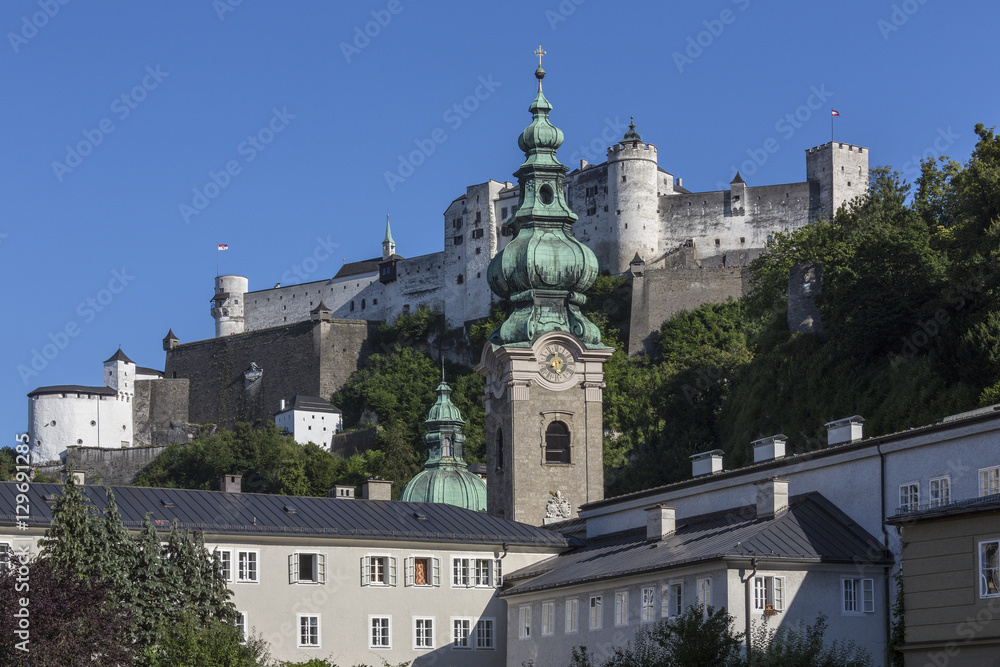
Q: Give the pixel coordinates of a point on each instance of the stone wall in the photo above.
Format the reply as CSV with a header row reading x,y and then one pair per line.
x,y
160,410
110,467
311,358
659,293
354,442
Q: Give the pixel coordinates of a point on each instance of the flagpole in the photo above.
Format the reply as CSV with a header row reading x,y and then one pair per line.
x,y
216,260
831,125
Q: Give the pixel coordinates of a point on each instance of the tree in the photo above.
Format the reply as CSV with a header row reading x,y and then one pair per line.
x,y
803,645
700,636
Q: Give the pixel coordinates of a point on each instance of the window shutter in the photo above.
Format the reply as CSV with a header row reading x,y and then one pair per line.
x,y
392,571
437,571
664,601
321,568
293,568
498,573
366,572
868,592
408,575
779,593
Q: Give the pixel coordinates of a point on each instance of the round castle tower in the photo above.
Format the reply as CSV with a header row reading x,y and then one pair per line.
x,y
633,198
227,304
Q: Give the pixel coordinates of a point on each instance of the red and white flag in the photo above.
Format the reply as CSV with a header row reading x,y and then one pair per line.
x,y
223,246
834,112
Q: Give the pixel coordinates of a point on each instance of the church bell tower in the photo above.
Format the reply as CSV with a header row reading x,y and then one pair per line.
x,y
544,364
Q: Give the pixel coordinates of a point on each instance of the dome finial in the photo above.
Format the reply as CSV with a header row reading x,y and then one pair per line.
x,y
539,73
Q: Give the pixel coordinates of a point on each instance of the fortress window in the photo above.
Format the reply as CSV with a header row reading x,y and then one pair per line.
x,y
460,279
458,240
374,302
479,217
477,233
848,184
503,213
362,304
478,274
557,443
592,210
479,250
623,178
718,242
79,441
352,306
94,423
743,240
605,209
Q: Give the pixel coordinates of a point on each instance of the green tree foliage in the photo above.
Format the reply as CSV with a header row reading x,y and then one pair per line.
x,y
8,463
186,643
803,645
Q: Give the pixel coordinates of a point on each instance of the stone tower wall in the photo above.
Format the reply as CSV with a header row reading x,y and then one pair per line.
x,y
841,171
228,312
632,204
160,411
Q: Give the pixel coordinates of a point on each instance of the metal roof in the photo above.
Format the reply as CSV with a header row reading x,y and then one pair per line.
x,y
812,529
119,356
310,404
258,514
73,389
361,267
905,516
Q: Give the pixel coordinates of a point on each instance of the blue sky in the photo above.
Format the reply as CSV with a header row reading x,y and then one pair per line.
x,y
137,136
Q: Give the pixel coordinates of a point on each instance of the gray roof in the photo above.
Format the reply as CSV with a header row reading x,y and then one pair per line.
x,y
147,371
259,514
120,356
957,508
73,389
311,404
359,268
812,529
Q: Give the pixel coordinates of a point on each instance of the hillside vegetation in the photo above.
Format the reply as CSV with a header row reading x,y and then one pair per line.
x,y
911,307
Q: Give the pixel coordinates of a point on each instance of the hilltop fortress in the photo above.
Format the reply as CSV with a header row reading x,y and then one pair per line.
x,y
635,216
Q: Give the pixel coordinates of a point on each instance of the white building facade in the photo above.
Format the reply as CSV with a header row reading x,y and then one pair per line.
x,y
310,419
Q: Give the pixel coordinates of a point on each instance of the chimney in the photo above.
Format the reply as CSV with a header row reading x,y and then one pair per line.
x,y
342,492
680,182
845,430
231,483
769,448
660,522
376,489
281,406
772,497
706,463
79,477
583,165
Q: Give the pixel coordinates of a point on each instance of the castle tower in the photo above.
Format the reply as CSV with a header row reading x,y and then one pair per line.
x,y
445,478
119,373
227,304
388,245
544,364
632,197
170,341
840,171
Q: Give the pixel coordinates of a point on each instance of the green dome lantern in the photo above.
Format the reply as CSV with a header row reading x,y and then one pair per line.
x,y
544,270
445,477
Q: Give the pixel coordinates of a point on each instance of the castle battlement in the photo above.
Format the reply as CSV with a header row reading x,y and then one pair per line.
x,y
837,144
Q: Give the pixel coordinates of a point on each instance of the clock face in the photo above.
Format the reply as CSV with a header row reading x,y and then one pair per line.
x,y
556,363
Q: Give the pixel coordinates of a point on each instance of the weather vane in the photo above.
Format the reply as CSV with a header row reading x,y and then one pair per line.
x,y
538,52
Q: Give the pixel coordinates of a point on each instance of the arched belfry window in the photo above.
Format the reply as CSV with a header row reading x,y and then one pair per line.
x,y
499,449
557,443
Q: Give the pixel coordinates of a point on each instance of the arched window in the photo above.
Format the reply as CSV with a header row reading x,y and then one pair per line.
x,y
499,449
557,443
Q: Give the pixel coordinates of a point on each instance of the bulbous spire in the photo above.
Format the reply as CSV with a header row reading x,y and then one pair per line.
x,y
544,270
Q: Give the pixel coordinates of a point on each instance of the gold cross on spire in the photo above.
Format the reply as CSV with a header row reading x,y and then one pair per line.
x,y
538,52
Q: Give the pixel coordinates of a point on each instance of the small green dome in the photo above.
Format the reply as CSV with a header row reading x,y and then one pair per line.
x,y
631,135
445,478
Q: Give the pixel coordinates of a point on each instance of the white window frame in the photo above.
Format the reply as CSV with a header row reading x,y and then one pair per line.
x,y
524,621
461,572
621,609
6,555
768,587
482,572
421,640
939,491
909,497
388,631
704,588
295,563
647,604
461,633
548,618
433,577
983,580
572,608
857,596
299,635
388,575
671,599
227,572
243,575
485,640
243,628
989,481
595,616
